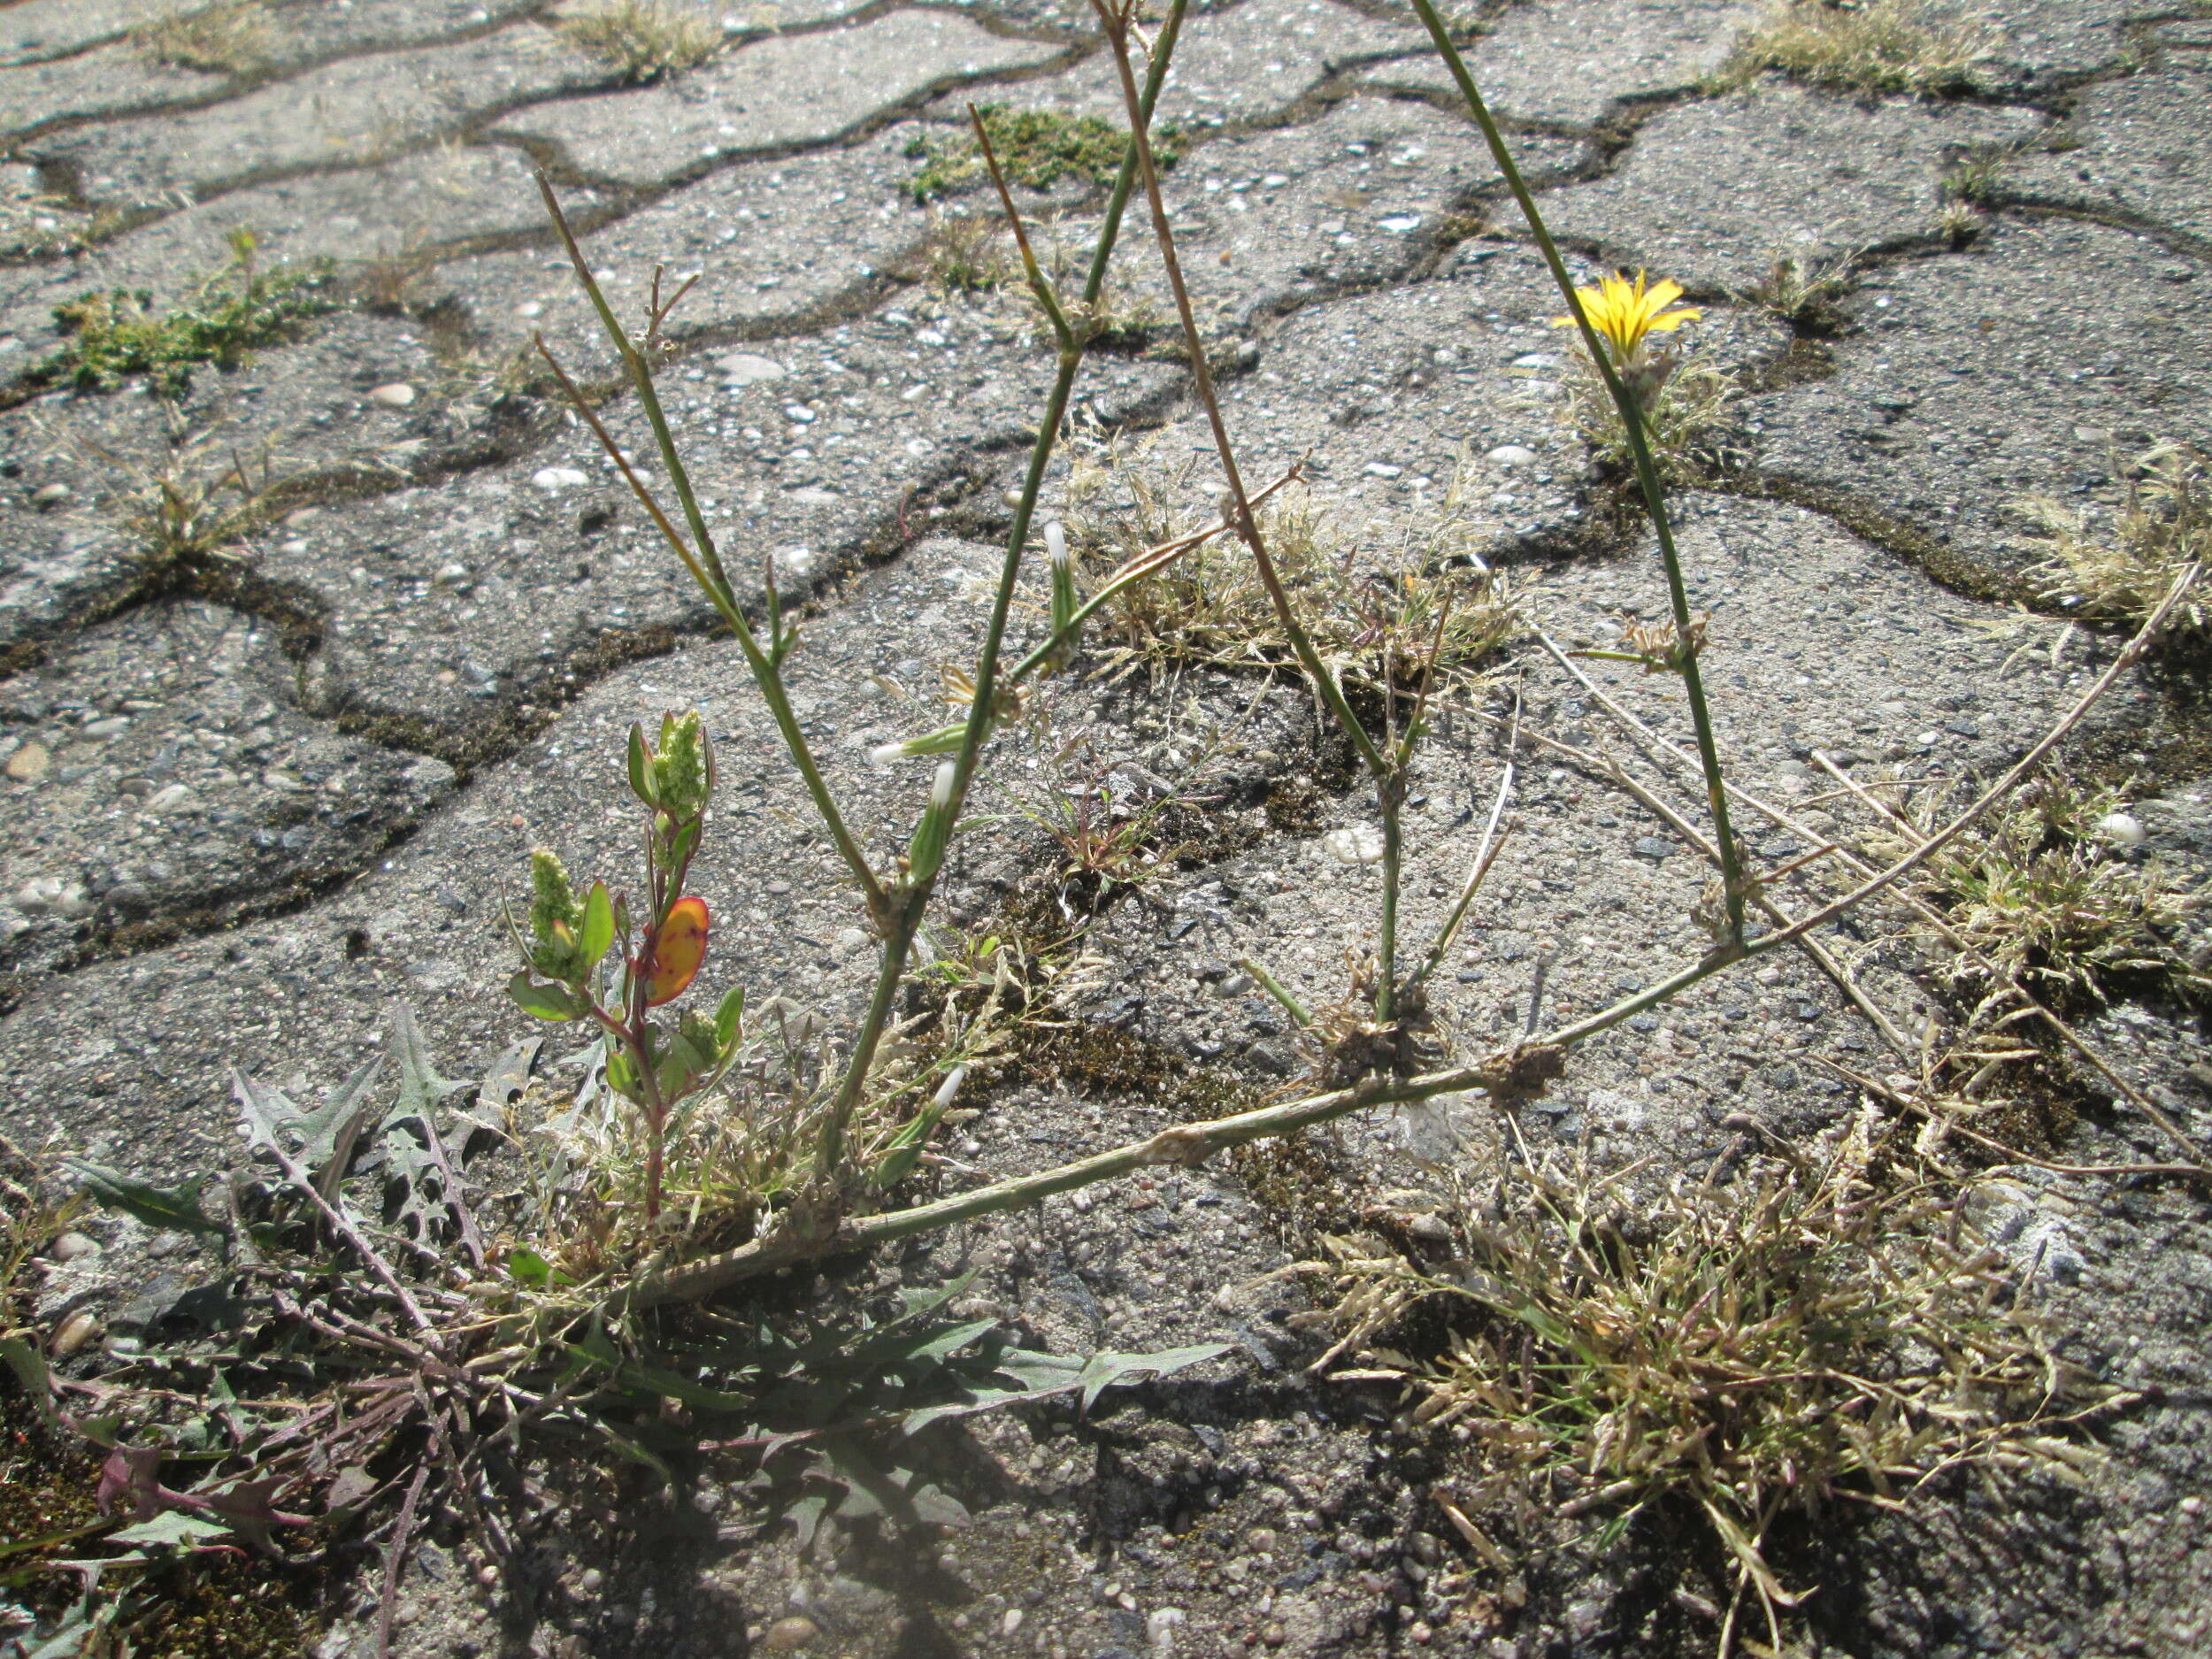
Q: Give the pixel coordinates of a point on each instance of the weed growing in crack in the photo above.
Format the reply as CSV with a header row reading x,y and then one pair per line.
x,y
228,38
435,1326
1805,294
1881,46
1959,223
113,335
2046,892
1825,1333
644,40
965,253
1690,425
1037,147
1378,614
2116,575
1976,178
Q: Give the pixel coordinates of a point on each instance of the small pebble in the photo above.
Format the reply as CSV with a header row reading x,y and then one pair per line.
x,y
78,1329
47,497
70,1246
2121,829
29,764
1383,469
589,1580
397,395
789,1634
1512,455
558,478
1358,844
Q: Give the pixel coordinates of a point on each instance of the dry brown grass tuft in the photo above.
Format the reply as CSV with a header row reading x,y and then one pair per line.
x,y
229,37
2041,892
1691,432
1881,46
2163,527
644,39
1826,1330
1375,613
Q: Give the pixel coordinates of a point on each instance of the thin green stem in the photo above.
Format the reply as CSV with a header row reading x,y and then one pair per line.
x,y
1163,50
906,908
1202,378
706,565
1732,883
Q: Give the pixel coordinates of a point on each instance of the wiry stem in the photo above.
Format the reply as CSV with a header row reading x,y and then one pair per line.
x,y
1387,776
1732,883
706,565
1193,1144
906,908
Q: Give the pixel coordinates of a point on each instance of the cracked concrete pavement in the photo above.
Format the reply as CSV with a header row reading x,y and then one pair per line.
x,y
252,791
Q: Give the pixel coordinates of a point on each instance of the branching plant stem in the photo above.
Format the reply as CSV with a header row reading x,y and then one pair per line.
x,y
1193,1144
1646,472
1387,770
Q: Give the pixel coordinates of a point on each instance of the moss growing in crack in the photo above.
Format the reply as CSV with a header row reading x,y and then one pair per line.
x,y
112,334
1037,147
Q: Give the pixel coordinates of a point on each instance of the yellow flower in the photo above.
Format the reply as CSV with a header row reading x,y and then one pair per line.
x,y
1625,312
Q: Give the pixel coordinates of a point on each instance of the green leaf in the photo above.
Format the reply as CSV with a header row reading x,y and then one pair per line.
x,y
29,1366
420,1088
167,1207
509,1076
544,1002
526,1267
642,780
729,1019
1103,1371
598,923
622,1074
176,1529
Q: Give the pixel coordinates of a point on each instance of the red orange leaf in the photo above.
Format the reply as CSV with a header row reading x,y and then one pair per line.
x,y
678,952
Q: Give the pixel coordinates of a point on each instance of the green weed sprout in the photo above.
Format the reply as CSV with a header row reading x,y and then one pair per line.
x,y
653,1066
111,335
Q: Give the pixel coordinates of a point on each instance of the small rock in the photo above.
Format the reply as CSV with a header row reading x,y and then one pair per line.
x,y
396,394
744,368
453,575
2121,829
1538,360
790,1634
71,1246
799,413
1276,1633
1355,844
29,764
1383,469
78,1329
1653,846
46,497
558,478
589,1580
1011,1621
169,798
1512,455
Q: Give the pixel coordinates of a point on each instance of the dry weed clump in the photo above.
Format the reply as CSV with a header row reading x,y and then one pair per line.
x,y
1826,1330
2162,528
644,39
1377,615
1881,46
2044,891
229,37
1693,434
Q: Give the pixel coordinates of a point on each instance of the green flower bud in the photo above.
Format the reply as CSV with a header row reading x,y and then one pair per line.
x,y
681,771
555,913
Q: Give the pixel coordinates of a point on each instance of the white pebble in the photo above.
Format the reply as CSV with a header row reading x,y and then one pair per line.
x,y
397,395
1513,455
558,478
1383,469
1355,844
2121,829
